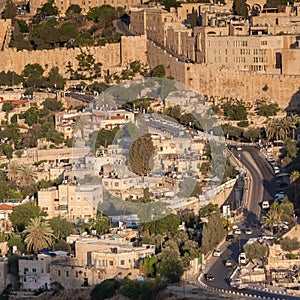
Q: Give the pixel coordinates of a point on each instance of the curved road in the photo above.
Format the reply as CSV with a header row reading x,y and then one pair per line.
x,y
262,187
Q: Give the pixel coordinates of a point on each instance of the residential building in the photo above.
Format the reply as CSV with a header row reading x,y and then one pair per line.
x,y
5,279
85,246
34,271
71,201
5,210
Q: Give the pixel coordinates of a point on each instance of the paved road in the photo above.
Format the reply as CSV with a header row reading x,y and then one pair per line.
x,y
121,27
263,187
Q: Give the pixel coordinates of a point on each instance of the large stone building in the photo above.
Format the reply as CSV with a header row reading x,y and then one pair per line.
x,y
224,40
71,201
34,271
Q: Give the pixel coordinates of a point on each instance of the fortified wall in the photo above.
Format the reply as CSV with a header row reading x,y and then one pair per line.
x,y
112,56
221,83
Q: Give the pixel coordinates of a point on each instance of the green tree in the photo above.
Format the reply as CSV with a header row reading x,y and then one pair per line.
x,y
10,78
10,10
141,151
54,79
287,211
213,232
106,289
39,234
32,74
26,175
103,15
252,134
7,106
273,217
171,269
52,104
148,266
73,10
291,148
22,213
61,227
88,68
288,244
268,110
158,71
7,150
235,111
48,9
240,8
15,240
163,226
170,3
256,250
104,137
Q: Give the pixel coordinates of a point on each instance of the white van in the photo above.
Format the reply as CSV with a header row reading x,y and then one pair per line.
x,y
242,259
265,204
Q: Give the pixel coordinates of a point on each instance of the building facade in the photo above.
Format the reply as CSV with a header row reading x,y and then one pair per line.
x,y
71,201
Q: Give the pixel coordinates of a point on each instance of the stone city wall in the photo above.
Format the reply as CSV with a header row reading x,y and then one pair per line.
x,y
110,55
220,83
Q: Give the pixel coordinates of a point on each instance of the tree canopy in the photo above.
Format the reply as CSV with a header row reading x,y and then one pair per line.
x,y
240,8
22,214
141,152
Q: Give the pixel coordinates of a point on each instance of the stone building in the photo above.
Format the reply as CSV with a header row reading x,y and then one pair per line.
x,y
4,277
71,201
89,251
34,271
5,210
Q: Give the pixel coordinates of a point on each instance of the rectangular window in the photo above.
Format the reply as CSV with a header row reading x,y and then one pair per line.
x,y
111,263
33,270
58,272
63,207
122,262
67,273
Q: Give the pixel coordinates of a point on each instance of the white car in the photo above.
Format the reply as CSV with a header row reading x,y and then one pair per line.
x,y
242,259
248,231
217,252
237,231
265,204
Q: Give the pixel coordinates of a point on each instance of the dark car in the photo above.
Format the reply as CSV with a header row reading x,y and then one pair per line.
x,y
229,237
209,277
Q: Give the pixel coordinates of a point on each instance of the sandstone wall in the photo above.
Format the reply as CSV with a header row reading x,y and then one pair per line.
x,y
110,55
134,48
210,81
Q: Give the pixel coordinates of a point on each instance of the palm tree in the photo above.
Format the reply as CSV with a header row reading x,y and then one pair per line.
x,y
273,217
27,175
39,234
13,171
293,121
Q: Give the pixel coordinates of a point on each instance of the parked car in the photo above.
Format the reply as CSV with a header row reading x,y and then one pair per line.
x,y
242,259
238,284
265,204
217,252
248,231
228,263
229,237
209,277
237,231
